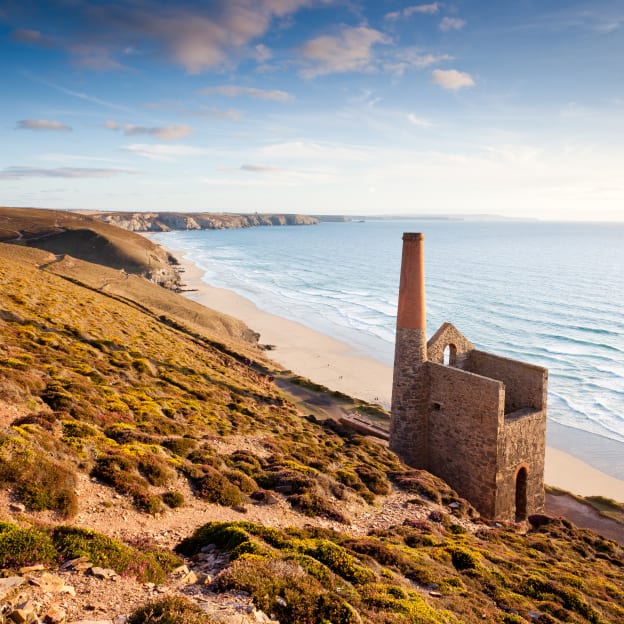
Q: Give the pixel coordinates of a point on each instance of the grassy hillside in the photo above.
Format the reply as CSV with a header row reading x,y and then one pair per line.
x,y
148,394
81,236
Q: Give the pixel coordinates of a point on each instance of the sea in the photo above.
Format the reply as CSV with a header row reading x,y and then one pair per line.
x,y
547,293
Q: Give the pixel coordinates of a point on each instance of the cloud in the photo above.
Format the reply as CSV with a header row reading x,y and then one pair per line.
x,y
452,79
95,57
262,169
77,94
17,173
420,122
33,37
262,53
164,152
42,124
196,36
434,7
164,133
409,58
311,150
452,23
274,95
350,50
228,114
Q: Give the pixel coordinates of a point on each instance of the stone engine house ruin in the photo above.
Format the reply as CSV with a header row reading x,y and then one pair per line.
x,y
475,419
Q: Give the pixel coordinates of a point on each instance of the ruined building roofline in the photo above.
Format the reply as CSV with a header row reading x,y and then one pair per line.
x,y
521,363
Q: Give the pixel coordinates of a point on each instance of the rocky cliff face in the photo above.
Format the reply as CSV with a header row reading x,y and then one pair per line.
x,y
167,221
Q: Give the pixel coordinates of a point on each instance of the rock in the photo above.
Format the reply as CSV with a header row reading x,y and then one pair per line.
x,y
24,613
10,583
51,583
209,548
17,507
33,568
55,615
180,571
79,564
103,573
204,578
435,594
189,579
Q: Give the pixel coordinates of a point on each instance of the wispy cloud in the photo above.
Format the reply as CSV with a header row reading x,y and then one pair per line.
x,y
43,124
434,7
274,95
349,50
410,58
452,23
164,133
33,37
76,94
452,79
17,173
261,168
420,122
164,152
314,151
228,114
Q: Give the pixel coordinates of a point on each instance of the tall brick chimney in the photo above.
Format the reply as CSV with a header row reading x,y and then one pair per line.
x,y
412,314
409,416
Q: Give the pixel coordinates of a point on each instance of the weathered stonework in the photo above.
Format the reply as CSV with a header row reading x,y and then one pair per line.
x,y
477,420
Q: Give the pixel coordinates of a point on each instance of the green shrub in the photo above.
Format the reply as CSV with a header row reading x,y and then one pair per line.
x,y
282,588
373,479
71,542
44,484
338,560
173,499
180,446
170,610
463,559
313,504
244,483
155,470
24,546
215,488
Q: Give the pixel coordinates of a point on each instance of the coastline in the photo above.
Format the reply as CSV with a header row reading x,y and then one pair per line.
x,y
338,366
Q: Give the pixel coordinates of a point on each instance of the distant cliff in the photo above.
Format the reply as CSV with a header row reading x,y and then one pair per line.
x,y
167,221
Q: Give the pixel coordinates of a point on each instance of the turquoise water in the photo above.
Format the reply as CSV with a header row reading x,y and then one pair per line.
x,y
547,293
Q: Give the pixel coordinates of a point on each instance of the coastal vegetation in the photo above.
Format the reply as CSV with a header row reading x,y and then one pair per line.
x,y
136,390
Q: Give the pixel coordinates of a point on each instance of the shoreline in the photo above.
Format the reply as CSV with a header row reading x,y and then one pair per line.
x,y
337,365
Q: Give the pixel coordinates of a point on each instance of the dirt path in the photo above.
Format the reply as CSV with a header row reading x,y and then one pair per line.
x,y
584,516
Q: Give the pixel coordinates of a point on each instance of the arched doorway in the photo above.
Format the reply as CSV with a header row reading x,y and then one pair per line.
x,y
450,355
521,494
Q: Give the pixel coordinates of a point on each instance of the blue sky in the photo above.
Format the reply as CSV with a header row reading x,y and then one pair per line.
x,y
510,107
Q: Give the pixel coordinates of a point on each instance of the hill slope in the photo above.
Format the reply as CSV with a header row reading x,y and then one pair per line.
x,y
89,239
111,408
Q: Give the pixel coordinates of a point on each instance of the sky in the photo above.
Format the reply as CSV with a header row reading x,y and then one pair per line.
x,y
507,107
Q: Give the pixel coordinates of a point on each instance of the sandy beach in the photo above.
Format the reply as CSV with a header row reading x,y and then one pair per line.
x,y
338,366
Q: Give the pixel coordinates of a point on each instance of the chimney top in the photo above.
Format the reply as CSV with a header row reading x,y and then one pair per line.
x,y
413,236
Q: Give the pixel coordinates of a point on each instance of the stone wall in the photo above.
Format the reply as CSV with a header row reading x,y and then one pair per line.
x,y
522,442
409,424
525,384
464,420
